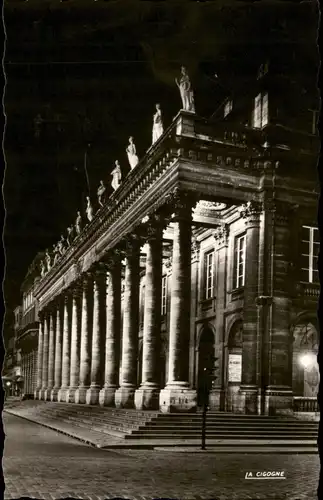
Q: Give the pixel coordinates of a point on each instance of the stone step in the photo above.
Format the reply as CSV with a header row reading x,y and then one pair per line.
x,y
293,424
90,423
247,428
211,435
237,432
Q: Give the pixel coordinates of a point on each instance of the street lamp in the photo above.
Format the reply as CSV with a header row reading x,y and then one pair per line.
x,y
306,359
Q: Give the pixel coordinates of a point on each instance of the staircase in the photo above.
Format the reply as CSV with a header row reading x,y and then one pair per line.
x,y
108,427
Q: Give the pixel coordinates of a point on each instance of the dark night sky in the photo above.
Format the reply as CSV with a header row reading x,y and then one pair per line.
x,y
94,71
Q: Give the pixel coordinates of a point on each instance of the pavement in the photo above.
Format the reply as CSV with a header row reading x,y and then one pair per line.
x,y
41,463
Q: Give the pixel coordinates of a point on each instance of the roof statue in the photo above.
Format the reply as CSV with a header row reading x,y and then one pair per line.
x,y
132,153
116,176
186,91
100,192
158,128
89,209
78,223
48,260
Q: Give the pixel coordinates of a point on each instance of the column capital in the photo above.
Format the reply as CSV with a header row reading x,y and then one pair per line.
x,y
251,211
113,258
221,235
181,204
132,244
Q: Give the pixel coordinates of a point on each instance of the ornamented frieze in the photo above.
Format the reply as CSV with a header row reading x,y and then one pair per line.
x,y
204,207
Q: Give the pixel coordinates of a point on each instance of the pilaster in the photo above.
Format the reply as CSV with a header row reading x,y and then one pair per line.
x,y
221,236
45,356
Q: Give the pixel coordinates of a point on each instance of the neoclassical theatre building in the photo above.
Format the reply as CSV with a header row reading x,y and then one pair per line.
x,y
206,253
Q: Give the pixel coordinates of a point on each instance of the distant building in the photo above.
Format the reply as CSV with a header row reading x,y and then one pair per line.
x,y
204,261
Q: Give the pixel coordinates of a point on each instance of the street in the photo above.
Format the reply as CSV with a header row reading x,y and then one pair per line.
x,y
40,463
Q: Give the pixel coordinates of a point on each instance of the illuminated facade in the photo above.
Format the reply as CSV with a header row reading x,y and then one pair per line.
x,y
206,253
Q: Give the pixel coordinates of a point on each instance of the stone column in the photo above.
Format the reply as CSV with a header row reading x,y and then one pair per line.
x,y
98,332
40,357
278,393
177,395
75,346
51,355
113,324
86,330
147,396
124,397
249,386
217,393
58,352
45,357
66,350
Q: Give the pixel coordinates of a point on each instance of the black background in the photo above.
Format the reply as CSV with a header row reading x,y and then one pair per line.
x,y
94,71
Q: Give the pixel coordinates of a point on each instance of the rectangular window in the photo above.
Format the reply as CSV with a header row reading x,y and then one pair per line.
x,y
228,108
240,261
208,274
310,246
164,296
260,112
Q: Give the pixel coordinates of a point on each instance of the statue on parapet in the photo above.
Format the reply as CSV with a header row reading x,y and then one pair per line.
x,y
132,154
78,224
48,261
56,254
89,209
42,268
158,128
186,91
116,176
70,235
100,193
61,245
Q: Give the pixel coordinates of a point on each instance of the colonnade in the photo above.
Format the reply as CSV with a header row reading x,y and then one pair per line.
x,y
88,349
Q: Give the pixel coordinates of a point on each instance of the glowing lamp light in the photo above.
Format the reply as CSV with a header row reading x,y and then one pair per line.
x,y
8,383
306,360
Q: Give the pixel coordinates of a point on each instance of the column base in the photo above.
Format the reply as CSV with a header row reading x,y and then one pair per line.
x,y
107,396
42,393
147,398
70,395
61,396
176,399
80,394
92,395
125,397
48,393
247,401
37,394
279,401
54,394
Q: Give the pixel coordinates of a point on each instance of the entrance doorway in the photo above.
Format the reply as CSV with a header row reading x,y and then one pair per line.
x,y
205,359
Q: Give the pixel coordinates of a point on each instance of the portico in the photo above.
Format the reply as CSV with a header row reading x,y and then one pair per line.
x,y
89,326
